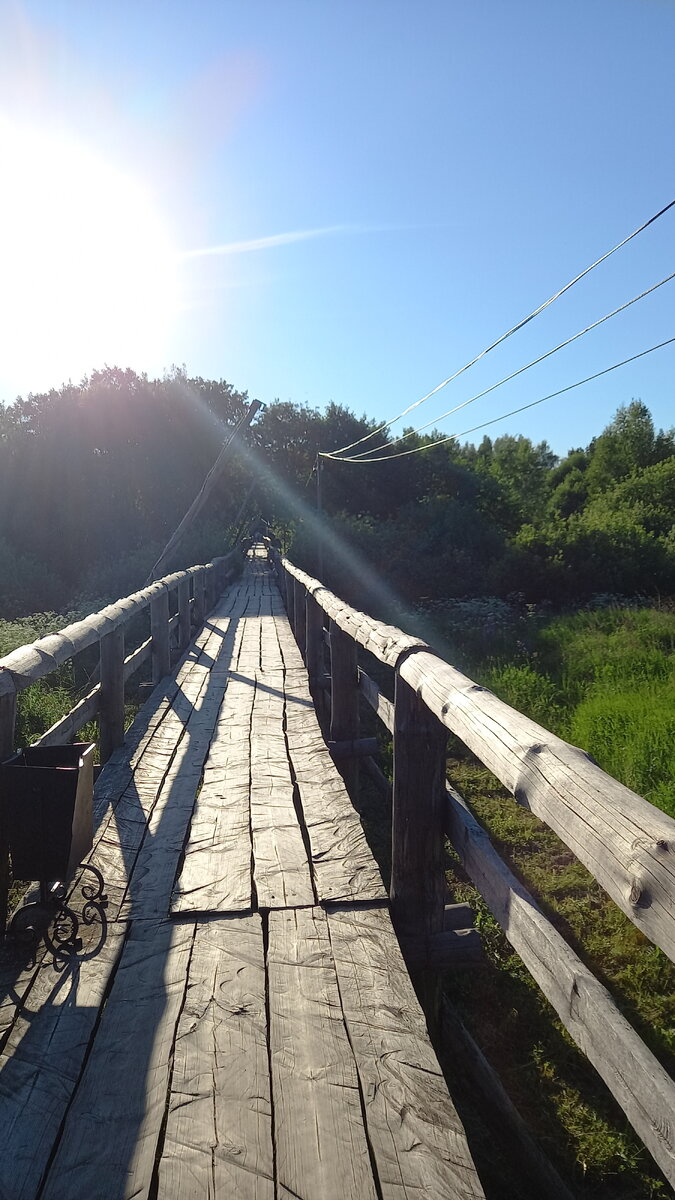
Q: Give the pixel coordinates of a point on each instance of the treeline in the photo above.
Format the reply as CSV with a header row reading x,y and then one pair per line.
x,y
94,478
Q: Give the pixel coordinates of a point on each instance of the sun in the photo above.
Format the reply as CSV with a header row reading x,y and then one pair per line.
x,y
87,270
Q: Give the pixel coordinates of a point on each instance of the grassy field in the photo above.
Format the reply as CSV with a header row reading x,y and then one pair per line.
x,y
605,680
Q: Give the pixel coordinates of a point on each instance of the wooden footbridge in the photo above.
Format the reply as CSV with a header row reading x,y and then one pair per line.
x,y
239,1018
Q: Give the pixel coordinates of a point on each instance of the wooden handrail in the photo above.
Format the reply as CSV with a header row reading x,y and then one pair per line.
x,y
27,664
623,840
626,843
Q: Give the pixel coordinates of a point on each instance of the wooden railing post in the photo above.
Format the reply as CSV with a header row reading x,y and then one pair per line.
x,y
418,886
111,703
198,609
344,697
299,617
159,629
184,613
314,643
7,727
209,588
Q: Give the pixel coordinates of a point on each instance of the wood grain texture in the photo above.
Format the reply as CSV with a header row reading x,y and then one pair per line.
x,y
111,1133
417,890
626,843
216,872
111,701
386,642
42,1056
321,1144
418,1140
218,1140
343,865
636,1079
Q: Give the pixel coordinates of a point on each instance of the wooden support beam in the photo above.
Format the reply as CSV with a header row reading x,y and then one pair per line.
x,y
7,727
458,916
111,699
353,748
344,696
418,816
159,629
299,615
466,1065
209,587
450,948
198,608
378,777
184,631
313,641
377,701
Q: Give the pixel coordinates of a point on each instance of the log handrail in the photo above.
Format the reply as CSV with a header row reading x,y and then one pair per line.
x,y
27,664
627,844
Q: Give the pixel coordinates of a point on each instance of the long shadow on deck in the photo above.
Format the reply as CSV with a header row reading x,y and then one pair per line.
x,y
83,1087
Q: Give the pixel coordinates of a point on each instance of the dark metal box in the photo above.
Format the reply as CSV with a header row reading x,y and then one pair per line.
x,y
46,795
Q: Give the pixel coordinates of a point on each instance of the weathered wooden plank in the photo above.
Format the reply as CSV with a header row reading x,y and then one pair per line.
x,y
343,866
626,843
43,1055
216,872
154,873
111,1133
321,1144
383,707
634,1076
218,1140
281,869
68,727
417,1138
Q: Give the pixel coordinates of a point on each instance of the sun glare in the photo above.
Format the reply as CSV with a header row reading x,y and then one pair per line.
x,y
86,267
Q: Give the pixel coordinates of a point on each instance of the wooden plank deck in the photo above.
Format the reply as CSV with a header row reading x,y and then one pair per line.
x,y
241,1023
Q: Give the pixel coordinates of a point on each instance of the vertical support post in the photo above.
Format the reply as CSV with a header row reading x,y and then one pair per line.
x,y
319,516
7,727
313,642
299,614
184,613
209,588
417,890
111,705
282,580
198,608
344,698
159,629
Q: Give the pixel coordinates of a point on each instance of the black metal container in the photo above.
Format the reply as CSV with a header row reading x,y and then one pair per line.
x,y
46,794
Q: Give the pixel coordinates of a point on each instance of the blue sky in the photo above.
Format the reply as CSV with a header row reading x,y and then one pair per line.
x,y
454,164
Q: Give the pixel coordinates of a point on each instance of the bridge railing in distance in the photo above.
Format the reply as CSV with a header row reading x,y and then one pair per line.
x,y
192,593
626,843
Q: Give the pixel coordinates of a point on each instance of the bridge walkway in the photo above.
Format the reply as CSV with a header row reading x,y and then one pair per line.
x,y
239,1022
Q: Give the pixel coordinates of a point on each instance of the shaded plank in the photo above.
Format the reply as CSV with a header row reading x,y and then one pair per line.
x,y
321,1146
43,1055
218,1139
111,1133
417,1138
216,873
343,865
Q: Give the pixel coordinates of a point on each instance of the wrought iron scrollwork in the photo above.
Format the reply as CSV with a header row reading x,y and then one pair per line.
x,y
56,922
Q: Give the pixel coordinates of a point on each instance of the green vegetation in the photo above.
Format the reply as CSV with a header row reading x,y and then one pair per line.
x,y
542,578
603,678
